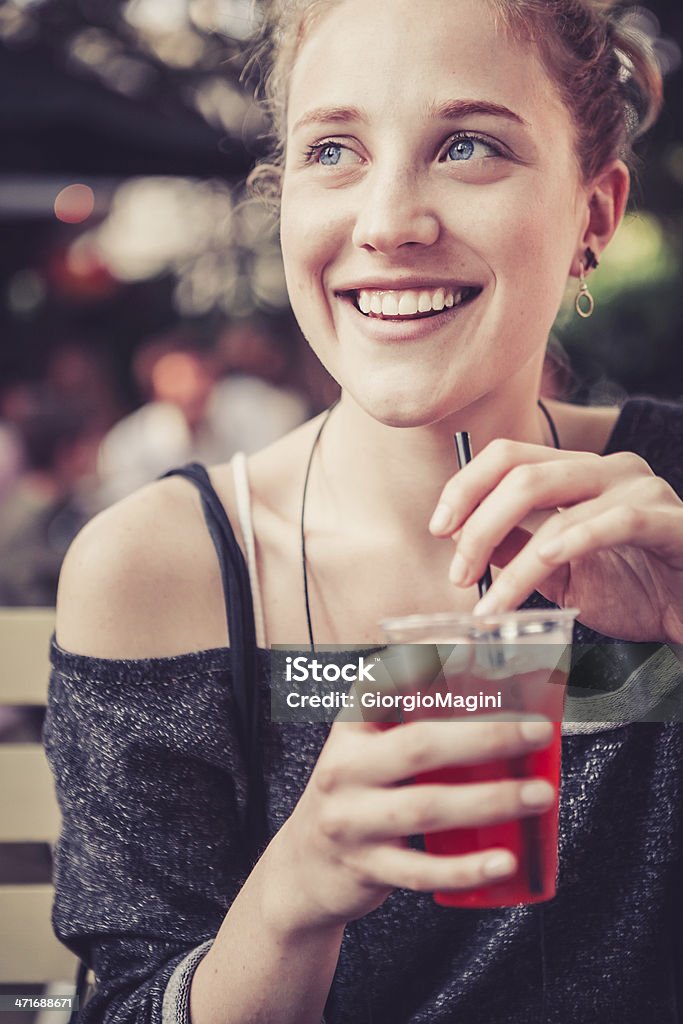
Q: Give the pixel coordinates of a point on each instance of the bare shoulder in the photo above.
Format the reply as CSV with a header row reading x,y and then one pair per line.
x,y
141,579
583,428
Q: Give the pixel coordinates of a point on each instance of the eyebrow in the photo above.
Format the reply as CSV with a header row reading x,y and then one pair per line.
x,y
327,115
449,111
463,108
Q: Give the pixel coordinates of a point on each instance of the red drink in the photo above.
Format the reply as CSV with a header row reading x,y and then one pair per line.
x,y
522,656
532,840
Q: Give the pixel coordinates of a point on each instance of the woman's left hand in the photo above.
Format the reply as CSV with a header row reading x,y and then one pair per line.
x,y
612,545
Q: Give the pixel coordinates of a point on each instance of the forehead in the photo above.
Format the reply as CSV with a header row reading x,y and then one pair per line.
x,y
402,56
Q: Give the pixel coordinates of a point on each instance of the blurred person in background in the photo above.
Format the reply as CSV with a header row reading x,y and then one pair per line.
x,y
192,414
77,367
257,369
51,498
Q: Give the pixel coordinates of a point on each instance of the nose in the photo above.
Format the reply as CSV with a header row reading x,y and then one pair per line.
x,y
394,212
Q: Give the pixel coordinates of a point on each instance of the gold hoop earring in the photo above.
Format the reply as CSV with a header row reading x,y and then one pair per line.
x,y
584,302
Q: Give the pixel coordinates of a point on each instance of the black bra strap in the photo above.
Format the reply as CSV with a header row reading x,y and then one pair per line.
x,y
242,630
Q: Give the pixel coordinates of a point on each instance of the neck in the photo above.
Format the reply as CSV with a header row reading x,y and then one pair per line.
x,y
367,469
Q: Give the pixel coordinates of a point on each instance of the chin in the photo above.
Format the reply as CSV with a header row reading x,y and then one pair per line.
x,y
403,407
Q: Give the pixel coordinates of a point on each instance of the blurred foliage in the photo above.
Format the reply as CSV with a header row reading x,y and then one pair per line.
x,y
632,344
140,86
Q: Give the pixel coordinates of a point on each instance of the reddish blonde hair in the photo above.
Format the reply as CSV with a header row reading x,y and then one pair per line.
x,y
602,65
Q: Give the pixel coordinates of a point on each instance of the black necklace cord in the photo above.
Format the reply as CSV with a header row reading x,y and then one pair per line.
x,y
551,424
304,564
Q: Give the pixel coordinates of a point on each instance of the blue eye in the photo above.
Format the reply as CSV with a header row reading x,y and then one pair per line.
x,y
330,154
461,149
466,148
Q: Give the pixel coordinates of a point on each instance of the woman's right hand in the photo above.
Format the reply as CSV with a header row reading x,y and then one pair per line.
x,y
344,849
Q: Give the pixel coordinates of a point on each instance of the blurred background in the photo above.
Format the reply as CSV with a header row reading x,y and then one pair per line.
x,y
143,313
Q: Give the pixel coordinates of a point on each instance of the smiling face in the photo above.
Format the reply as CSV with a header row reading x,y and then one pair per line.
x,y
431,207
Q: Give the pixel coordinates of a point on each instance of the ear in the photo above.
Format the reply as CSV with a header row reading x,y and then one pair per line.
x,y
606,196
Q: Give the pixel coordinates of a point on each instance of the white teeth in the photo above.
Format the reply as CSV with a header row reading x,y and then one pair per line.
x,y
439,300
408,304
389,304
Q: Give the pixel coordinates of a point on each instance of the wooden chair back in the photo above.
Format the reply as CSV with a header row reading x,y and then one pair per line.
x,y
29,951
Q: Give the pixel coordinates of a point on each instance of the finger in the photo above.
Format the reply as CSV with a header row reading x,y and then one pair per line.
x,y
473,482
403,868
520,578
524,489
657,530
421,807
648,515
408,750
468,488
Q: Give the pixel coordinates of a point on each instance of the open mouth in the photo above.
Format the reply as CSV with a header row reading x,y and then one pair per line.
x,y
411,303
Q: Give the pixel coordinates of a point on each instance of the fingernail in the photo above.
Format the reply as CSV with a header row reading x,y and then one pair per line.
x,y
441,518
537,794
539,733
499,864
459,570
488,605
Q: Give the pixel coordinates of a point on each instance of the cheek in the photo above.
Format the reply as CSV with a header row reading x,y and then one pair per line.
x,y
528,236
309,243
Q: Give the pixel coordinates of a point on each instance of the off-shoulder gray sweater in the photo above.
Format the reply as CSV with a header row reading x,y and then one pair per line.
x,y
151,786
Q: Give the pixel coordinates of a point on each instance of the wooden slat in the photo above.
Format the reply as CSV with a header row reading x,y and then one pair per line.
x,y
24,654
28,806
29,951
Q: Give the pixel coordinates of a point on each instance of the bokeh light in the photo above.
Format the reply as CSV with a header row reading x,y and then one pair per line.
x,y
74,204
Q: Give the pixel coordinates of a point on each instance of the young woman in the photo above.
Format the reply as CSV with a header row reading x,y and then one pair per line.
x,y
445,169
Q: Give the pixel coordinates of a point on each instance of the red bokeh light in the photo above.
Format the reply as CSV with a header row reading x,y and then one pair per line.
x,y
74,204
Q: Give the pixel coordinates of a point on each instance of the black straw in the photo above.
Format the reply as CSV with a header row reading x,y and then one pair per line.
x,y
463,450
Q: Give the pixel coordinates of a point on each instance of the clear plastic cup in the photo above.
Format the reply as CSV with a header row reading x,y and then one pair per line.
x,y
512,665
